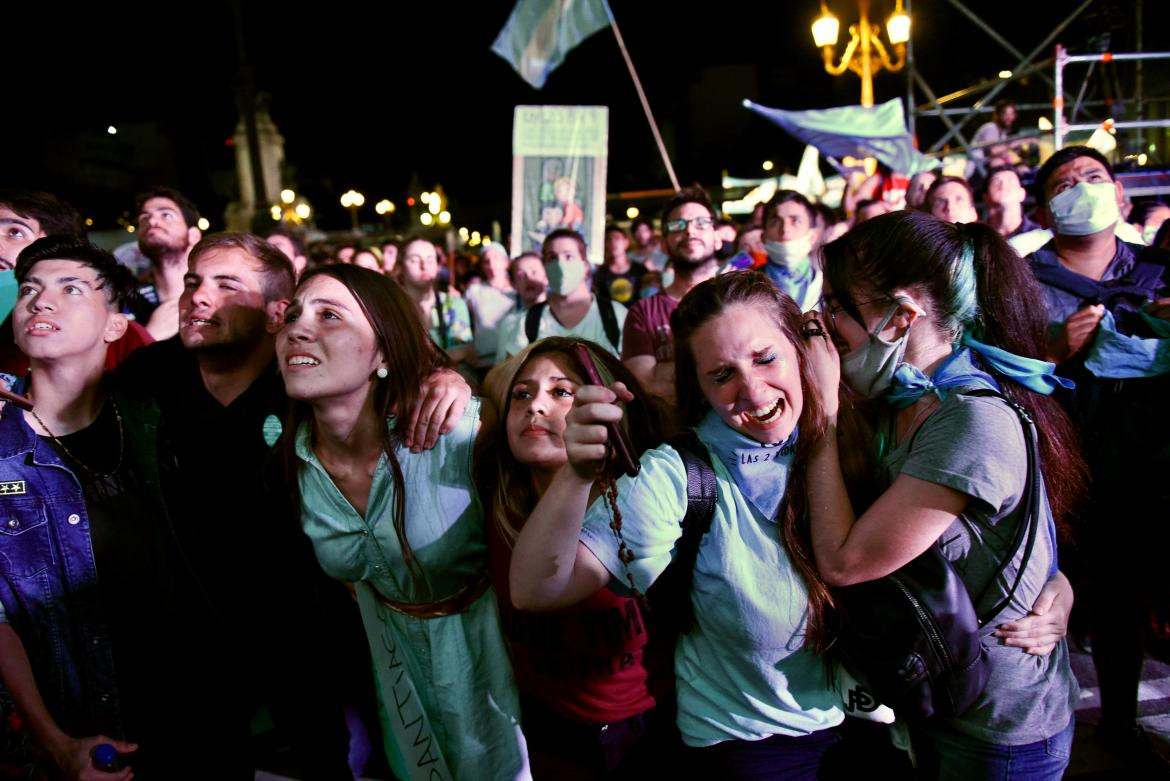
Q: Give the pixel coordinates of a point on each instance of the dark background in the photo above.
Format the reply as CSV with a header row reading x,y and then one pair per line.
x,y
377,97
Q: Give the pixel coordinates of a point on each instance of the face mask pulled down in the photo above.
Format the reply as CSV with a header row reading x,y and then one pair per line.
x,y
870,369
790,254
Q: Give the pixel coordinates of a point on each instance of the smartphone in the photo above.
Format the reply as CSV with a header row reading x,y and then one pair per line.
x,y
623,454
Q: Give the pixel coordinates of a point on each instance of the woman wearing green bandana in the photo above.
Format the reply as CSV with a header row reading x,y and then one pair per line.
x,y
922,313
753,695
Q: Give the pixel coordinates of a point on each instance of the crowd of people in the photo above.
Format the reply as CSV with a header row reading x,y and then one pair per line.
x,y
492,517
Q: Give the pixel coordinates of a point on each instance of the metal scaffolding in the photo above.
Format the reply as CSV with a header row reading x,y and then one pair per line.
x,y
951,109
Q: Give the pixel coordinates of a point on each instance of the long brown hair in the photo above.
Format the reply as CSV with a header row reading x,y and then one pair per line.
x,y
705,301
989,291
411,357
508,482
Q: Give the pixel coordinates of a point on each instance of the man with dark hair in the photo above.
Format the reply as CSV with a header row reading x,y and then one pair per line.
x,y
620,278
286,628
26,216
951,199
1105,298
571,309
726,233
102,623
1004,196
647,248
222,400
789,241
648,343
168,227
292,245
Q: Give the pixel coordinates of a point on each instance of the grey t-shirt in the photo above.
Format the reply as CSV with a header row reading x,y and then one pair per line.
x,y
975,445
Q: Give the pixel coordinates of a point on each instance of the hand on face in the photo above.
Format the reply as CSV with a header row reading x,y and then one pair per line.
x,y
824,362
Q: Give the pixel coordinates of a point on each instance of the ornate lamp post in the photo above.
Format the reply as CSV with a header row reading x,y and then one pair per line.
x,y
865,54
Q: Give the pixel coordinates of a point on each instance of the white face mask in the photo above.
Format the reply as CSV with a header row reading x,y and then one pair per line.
x,y
565,275
789,253
1085,208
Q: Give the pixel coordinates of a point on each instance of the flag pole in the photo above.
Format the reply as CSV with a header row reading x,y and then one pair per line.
x,y
642,97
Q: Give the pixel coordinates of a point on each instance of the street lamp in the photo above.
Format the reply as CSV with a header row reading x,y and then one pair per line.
x,y
384,207
868,38
352,200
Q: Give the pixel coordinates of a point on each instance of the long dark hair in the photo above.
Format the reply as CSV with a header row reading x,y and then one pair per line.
x,y
411,357
508,482
705,301
972,281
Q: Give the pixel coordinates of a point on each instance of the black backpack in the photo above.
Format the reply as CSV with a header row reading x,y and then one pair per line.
x,y
669,597
912,637
604,308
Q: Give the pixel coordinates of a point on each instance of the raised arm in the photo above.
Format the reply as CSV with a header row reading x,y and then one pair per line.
x,y
72,755
550,568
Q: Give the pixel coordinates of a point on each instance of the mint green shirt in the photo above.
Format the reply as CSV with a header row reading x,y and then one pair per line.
x,y
742,673
458,664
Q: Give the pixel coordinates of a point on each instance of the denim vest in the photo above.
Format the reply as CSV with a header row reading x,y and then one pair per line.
x,y
48,577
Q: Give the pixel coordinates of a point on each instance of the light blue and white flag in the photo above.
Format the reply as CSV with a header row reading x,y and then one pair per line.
x,y
539,34
856,131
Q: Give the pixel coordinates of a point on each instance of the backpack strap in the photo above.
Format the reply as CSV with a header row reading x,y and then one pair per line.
x,y
1031,501
670,595
609,323
532,320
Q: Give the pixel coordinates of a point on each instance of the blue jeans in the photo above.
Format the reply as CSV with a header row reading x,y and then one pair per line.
x,y
942,752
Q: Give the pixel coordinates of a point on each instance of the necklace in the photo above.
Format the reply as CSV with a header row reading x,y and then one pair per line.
x,y
78,461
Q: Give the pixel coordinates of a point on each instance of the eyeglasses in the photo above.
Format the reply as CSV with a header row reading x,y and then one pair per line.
x,y
831,309
702,223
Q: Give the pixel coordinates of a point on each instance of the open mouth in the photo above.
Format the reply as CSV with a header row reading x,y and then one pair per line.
x,y
302,360
766,415
198,322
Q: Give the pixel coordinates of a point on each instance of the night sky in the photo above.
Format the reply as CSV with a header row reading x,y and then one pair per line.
x,y
373,97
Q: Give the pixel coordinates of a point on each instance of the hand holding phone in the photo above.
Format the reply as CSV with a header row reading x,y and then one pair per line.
x,y
620,449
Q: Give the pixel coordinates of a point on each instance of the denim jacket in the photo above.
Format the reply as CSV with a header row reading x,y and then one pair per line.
x,y
48,576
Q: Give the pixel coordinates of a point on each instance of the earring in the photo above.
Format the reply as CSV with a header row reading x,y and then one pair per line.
x,y
382,372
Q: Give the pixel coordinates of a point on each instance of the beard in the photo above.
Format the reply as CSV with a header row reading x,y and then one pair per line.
x,y
684,263
159,245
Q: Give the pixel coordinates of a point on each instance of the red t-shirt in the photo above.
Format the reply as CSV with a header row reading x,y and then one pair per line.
x,y
647,329
588,662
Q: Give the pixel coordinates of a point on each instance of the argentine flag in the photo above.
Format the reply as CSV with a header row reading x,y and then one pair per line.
x,y
539,34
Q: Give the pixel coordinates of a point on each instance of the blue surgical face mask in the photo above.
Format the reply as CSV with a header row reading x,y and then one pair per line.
x,y
1084,209
869,370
